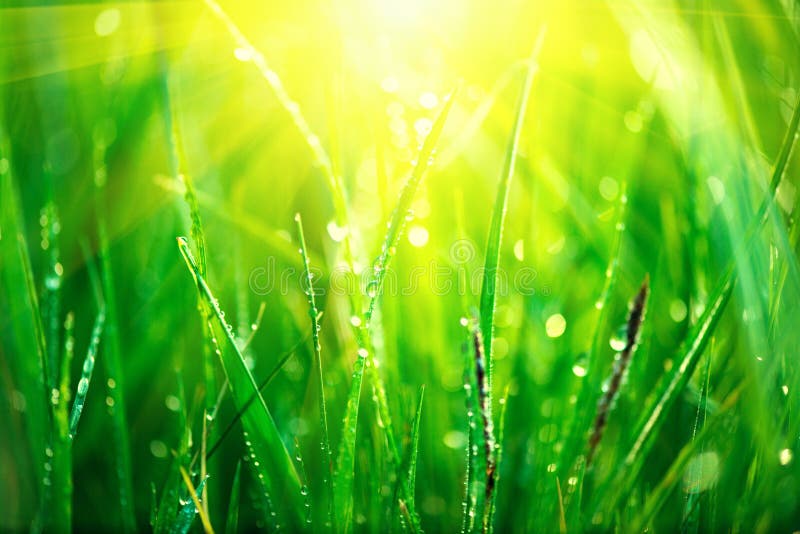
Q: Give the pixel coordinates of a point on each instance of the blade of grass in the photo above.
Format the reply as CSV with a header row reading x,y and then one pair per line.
x,y
409,475
489,286
315,314
86,375
62,472
168,507
654,414
345,461
180,171
272,462
192,508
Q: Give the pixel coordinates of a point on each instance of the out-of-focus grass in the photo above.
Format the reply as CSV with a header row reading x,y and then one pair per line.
x,y
655,137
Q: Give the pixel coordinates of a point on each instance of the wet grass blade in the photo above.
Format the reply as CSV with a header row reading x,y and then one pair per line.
x,y
345,460
231,524
402,212
409,476
192,508
62,471
271,460
315,315
412,457
696,343
489,287
86,374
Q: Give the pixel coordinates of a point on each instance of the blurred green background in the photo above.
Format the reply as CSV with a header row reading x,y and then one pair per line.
x,y
681,105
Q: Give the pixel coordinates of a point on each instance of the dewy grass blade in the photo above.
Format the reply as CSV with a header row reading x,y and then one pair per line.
x,y
501,429
86,374
192,508
402,212
410,472
345,460
272,463
314,314
412,463
180,170
62,470
489,287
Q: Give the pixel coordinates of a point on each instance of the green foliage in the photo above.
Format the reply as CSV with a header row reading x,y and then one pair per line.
x,y
653,136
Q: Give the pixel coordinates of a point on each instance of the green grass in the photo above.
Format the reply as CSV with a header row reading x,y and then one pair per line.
x,y
455,334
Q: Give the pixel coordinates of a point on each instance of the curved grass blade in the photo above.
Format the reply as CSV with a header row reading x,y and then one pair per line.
x,y
345,460
412,458
86,375
272,461
192,508
315,328
231,524
402,212
489,287
410,472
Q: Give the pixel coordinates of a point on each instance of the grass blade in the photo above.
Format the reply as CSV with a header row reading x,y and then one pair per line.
x,y
345,460
86,375
272,461
489,287
192,508
315,328
412,463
